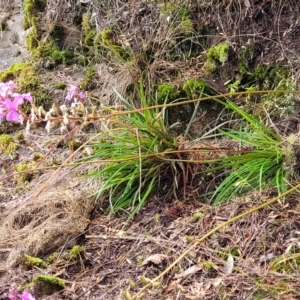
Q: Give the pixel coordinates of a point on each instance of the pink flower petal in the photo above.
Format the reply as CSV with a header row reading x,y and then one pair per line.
x,y
81,95
26,296
71,92
12,116
73,88
12,294
27,97
4,91
12,104
18,97
11,84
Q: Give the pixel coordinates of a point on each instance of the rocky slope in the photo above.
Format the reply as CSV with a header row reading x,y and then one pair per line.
x,y
176,50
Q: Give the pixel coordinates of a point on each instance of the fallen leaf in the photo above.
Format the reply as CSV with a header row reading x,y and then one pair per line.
x,y
228,266
189,271
157,259
266,257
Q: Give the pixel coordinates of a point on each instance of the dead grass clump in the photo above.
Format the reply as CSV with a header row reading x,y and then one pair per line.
x,y
36,226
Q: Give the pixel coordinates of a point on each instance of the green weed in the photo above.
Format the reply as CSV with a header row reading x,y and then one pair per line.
x,y
135,149
259,164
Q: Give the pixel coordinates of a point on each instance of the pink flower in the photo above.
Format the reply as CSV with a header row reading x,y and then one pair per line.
x,y
4,91
26,296
12,294
22,97
81,95
12,107
71,92
6,88
27,97
11,84
74,92
10,101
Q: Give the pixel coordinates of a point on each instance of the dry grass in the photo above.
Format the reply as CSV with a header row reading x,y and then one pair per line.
x,y
57,217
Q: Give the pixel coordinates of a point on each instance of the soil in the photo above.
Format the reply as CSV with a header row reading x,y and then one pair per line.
x,y
171,240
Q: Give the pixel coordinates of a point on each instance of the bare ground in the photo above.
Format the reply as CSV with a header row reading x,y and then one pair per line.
x,y
264,246
120,256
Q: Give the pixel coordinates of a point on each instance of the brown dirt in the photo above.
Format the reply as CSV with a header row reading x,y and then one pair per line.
x,y
116,253
265,244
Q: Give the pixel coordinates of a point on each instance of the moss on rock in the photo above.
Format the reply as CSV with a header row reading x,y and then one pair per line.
x,y
45,48
23,178
216,56
13,71
166,93
271,76
32,19
49,51
30,262
47,285
7,145
196,88
76,252
107,41
31,9
32,39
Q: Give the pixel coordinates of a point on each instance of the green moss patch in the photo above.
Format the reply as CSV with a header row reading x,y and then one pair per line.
x,y
106,42
166,93
30,262
31,9
76,252
24,177
246,60
191,88
47,285
14,71
7,145
216,56
271,76
51,53
52,258
41,46
196,88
